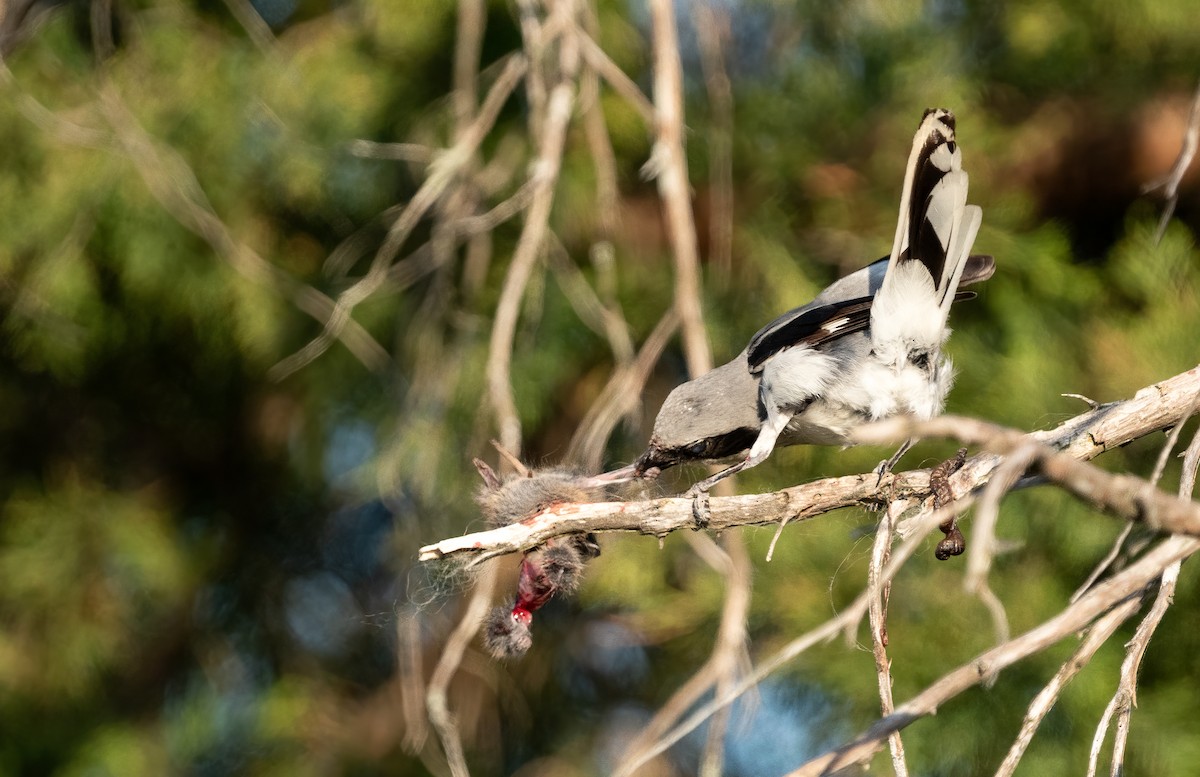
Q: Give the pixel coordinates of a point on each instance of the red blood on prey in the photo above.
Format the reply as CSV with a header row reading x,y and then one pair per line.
x,y
533,590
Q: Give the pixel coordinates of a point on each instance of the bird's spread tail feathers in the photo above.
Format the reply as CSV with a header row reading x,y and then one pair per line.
x,y
934,235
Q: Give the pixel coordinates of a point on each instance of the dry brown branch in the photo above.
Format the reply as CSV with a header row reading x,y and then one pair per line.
x,y
878,594
845,621
533,38
410,677
638,752
1129,583
729,649
468,43
1041,705
1170,182
452,652
1125,698
983,539
587,304
460,202
254,25
1125,496
604,159
621,396
442,172
51,123
659,517
1082,437
173,183
1117,547
101,21
615,77
533,234
716,672
669,167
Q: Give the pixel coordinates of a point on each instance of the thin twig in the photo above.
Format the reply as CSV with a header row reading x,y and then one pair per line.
x,y
729,648
622,84
1160,466
442,173
1097,635
529,245
1170,182
670,170
620,396
173,183
1108,594
847,619
878,596
468,45
983,536
1125,496
587,304
1125,698
1117,547
410,676
452,652
254,25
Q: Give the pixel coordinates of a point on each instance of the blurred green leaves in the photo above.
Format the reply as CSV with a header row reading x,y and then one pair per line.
x,y
160,497
82,571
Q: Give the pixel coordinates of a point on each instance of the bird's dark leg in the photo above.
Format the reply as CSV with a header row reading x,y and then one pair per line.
x,y
885,466
699,492
939,482
776,422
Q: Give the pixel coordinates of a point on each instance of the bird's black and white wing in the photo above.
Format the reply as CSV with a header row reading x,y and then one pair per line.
x,y
842,309
813,325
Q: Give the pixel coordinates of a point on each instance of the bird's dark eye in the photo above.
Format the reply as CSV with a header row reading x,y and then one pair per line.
x,y
920,359
697,448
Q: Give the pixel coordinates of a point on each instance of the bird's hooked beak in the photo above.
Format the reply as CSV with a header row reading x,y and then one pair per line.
x,y
653,461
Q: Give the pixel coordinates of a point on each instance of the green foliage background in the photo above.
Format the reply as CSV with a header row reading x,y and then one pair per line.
x,y
203,570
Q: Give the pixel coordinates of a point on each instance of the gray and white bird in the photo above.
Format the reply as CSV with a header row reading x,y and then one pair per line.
x,y
866,348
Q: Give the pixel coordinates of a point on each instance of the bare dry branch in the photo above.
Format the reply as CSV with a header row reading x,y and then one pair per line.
x,y
1170,182
846,620
621,395
729,652
173,183
1125,698
616,78
878,594
468,44
529,245
1041,705
669,166
1106,595
452,652
983,539
587,304
659,517
1082,437
254,25
442,173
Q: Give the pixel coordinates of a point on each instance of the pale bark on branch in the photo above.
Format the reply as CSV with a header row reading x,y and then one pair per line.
x,y
1080,438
